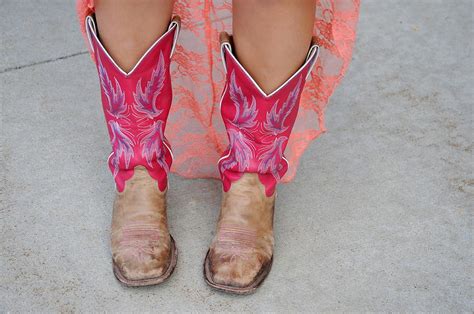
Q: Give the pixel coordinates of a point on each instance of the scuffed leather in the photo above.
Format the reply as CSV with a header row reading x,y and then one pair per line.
x,y
140,238
136,107
244,240
258,127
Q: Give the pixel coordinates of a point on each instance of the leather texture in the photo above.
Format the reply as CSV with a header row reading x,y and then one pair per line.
x,y
258,125
140,239
243,244
198,81
136,106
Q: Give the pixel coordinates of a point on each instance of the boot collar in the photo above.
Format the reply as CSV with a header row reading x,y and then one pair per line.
x,y
91,31
226,50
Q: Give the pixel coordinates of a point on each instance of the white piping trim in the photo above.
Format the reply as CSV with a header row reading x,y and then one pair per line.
x,y
315,56
222,96
91,28
108,159
229,47
223,157
220,106
176,34
172,159
287,162
312,54
88,32
108,162
169,149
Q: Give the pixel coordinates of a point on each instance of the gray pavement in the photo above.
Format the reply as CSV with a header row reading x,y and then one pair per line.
x,y
379,217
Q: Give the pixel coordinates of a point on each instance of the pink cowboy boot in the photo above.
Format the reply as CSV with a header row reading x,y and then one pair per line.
x,y
136,106
258,127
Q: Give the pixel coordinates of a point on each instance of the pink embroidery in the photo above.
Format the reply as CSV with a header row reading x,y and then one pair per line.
x,y
198,79
240,151
272,153
241,148
245,113
136,108
152,136
115,96
258,130
122,145
271,156
152,145
275,119
145,102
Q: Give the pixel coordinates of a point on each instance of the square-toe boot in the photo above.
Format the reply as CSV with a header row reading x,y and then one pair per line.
x,y
258,127
136,106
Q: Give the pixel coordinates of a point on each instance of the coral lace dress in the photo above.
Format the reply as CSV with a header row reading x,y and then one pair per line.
x,y
195,128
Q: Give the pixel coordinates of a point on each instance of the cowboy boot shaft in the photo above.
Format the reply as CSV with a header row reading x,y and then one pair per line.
x,y
136,107
258,125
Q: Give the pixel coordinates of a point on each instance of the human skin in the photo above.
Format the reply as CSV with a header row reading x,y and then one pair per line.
x,y
127,28
271,38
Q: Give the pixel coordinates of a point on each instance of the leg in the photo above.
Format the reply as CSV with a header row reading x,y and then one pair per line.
x,y
272,37
128,28
271,41
136,107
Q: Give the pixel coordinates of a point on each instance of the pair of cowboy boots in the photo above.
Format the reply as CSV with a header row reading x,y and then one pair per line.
x,y
136,106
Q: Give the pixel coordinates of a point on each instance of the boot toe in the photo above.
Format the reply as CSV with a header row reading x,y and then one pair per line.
x,y
140,263
235,271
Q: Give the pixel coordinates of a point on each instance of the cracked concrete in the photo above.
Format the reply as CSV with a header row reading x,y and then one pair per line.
x,y
19,67
379,217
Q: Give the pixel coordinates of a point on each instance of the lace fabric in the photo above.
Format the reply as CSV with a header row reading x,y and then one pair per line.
x,y
195,128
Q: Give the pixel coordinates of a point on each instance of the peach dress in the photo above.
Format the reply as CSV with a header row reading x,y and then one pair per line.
x,y
195,128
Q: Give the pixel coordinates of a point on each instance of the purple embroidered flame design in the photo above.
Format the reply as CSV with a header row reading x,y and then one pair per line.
x,y
152,145
241,151
271,157
245,113
275,119
272,153
145,100
115,96
122,145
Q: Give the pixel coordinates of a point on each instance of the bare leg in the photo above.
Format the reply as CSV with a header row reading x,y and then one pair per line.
x,y
143,251
128,28
271,40
272,37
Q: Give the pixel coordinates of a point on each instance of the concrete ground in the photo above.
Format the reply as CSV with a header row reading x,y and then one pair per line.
x,y
379,217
